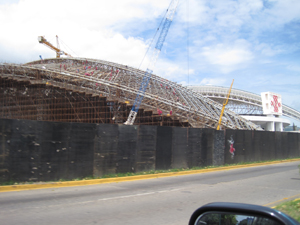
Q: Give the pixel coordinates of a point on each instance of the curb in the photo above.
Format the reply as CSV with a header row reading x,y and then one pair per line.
x,y
278,202
23,187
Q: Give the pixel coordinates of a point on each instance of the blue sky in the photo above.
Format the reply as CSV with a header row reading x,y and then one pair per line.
x,y
254,42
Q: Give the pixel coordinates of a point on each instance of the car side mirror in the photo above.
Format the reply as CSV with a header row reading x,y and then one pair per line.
x,y
219,218
227,213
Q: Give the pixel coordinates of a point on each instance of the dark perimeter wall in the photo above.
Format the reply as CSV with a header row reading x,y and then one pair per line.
x,y
46,151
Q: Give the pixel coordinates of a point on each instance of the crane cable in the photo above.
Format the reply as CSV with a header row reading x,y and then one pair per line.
x,y
64,44
188,44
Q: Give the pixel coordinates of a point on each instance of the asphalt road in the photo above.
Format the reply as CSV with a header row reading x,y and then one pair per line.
x,y
169,200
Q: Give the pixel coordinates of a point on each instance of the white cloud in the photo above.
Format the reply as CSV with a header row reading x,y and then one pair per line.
x,y
230,15
268,49
193,11
294,68
86,27
172,71
282,12
213,81
228,57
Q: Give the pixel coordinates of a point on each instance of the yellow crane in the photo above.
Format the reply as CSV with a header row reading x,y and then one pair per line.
x,y
59,52
224,104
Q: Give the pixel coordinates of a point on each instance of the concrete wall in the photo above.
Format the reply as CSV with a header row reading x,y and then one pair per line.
x,y
45,151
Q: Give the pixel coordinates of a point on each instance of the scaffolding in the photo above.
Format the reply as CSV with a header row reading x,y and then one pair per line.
x,y
97,91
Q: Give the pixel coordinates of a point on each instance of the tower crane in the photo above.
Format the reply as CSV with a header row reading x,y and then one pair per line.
x,y
153,58
59,52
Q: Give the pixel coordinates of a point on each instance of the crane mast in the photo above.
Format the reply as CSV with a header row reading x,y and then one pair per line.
x,y
59,52
153,58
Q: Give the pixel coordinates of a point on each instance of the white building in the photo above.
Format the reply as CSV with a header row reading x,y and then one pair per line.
x,y
269,122
272,109
265,110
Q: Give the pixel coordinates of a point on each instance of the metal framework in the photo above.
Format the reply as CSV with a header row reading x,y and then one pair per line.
x,y
155,53
241,102
77,78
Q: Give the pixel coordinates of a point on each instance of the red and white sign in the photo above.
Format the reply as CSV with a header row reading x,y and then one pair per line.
x,y
272,104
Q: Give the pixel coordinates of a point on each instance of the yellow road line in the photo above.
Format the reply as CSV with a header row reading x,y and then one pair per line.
x,y
273,204
23,187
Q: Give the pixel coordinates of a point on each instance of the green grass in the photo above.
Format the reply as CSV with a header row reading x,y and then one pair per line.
x,y
144,173
7,183
291,208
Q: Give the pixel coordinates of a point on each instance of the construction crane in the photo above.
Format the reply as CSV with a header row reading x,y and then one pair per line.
x,y
59,52
155,53
224,104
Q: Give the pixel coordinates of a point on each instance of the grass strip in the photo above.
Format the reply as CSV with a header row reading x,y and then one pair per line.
x,y
291,208
129,174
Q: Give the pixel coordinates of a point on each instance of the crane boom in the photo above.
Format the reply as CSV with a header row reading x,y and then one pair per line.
x,y
59,52
155,53
223,108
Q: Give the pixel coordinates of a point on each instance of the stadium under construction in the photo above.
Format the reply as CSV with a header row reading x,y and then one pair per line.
x,y
95,91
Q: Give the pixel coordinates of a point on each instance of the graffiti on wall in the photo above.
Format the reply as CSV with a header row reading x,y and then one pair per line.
x,y
231,149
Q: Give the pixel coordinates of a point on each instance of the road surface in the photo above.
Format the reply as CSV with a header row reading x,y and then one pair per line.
x,y
169,200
